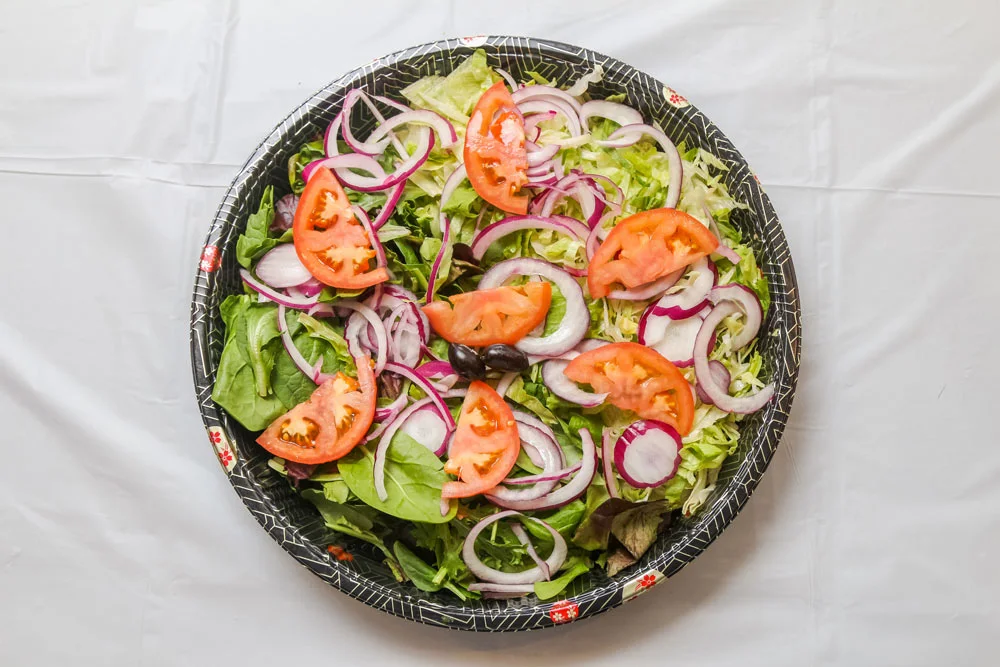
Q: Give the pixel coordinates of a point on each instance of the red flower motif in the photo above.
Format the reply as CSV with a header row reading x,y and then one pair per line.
x,y
226,457
209,259
564,611
216,436
647,581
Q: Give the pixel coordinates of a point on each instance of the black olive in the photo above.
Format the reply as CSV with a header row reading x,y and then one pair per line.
x,y
465,360
463,252
504,358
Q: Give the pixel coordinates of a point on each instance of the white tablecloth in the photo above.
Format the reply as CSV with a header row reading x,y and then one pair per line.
x,y
874,538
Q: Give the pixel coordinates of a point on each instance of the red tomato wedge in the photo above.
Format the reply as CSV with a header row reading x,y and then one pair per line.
x,y
647,246
639,379
486,443
490,316
329,240
495,157
328,425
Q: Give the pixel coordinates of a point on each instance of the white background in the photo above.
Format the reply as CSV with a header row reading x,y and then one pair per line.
x,y
872,540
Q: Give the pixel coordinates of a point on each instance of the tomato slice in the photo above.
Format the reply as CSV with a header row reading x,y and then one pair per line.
x,y
495,157
639,379
486,443
647,246
329,240
490,316
328,425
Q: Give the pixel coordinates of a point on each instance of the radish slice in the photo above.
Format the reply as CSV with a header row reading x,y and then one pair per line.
x,y
428,428
648,453
692,298
281,267
721,376
674,339
553,374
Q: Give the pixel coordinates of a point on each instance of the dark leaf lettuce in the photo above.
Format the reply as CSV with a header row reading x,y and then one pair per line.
x,y
242,384
257,239
413,480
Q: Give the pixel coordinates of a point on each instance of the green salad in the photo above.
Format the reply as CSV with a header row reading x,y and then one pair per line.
x,y
502,331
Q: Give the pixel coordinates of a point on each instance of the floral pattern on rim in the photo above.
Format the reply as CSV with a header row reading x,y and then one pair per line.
x,y
675,99
641,584
227,457
210,259
564,611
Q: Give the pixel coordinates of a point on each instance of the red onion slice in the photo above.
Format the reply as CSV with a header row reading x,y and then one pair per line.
x,y
648,453
435,369
344,163
377,329
726,252
703,373
383,445
330,146
450,185
672,338
607,460
426,387
720,374
281,267
570,491
542,155
748,302
692,298
505,75
311,371
531,122
505,382
444,129
516,223
544,452
632,132
298,303
544,477
547,92
389,208
522,536
426,426
560,385
438,261
490,575
363,147
576,319
649,290
619,113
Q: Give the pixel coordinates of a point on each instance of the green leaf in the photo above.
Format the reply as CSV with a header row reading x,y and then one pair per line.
x,y
244,369
413,480
337,491
636,528
256,239
455,95
556,312
546,590
315,340
416,570
314,150
519,394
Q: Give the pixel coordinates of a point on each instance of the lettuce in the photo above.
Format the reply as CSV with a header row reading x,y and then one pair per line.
x,y
455,95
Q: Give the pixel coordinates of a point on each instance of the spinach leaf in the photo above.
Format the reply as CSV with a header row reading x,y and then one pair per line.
x,y
573,568
445,541
419,572
413,480
261,329
236,383
316,340
256,240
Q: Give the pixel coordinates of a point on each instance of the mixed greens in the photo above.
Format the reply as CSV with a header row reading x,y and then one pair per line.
x,y
380,371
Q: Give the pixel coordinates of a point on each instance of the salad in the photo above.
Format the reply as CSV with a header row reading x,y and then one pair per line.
x,y
503,335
